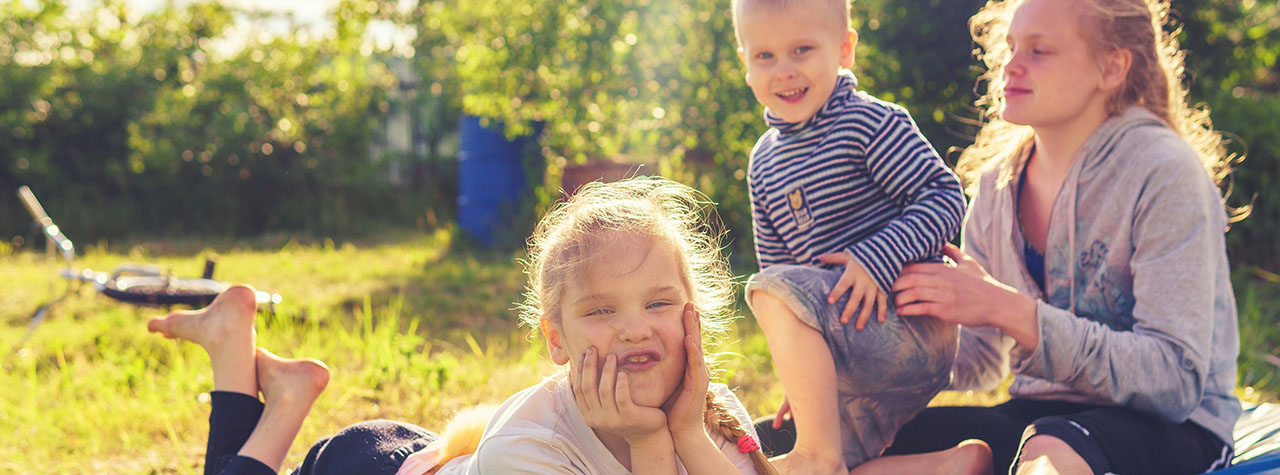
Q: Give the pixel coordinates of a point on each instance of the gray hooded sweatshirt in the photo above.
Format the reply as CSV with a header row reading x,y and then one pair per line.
x,y
1138,308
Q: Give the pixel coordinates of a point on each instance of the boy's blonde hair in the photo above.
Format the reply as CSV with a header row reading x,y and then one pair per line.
x,y
839,11
581,229
1153,82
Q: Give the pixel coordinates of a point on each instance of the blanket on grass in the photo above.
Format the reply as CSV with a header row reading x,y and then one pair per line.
x,y
1257,435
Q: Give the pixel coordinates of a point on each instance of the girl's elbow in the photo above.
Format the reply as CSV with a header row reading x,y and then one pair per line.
x,y
1179,400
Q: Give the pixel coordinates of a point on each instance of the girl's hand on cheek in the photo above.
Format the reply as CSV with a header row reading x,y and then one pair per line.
x,y
604,397
685,410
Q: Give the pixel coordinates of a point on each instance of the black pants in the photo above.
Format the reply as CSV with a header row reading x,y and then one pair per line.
x,y
372,447
1110,438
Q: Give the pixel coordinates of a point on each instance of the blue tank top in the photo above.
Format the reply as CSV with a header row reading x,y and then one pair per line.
x,y
1031,257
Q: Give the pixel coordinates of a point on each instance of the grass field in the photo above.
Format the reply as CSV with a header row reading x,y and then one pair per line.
x,y
412,328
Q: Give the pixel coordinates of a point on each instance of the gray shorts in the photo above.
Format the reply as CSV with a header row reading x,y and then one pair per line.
x,y
885,374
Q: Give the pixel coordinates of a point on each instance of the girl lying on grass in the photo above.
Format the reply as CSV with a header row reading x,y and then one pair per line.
x,y
626,287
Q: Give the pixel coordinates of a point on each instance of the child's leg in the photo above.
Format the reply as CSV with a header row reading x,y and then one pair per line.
x,y
805,366
289,387
225,330
239,424
884,374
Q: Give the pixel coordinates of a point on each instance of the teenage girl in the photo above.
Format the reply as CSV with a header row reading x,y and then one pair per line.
x,y
1094,264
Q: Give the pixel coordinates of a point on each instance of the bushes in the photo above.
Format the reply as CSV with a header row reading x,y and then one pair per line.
x,y
123,122
138,124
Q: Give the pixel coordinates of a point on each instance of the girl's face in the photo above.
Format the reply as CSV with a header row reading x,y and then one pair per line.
x,y
627,303
1051,79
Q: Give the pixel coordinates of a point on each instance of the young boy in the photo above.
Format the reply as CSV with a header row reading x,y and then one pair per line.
x,y
845,191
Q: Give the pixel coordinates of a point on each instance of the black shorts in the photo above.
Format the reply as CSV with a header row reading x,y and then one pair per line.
x,y
1112,439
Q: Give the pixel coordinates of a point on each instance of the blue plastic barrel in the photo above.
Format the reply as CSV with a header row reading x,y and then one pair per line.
x,y
491,177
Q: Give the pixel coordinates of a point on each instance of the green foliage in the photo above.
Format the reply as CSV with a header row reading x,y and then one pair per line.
x,y
69,88
1232,68
1258,298
649,81
275,126
659,82
124,123
919,54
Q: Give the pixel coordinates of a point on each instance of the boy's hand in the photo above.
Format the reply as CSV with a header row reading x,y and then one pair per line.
x,y
862,288
604,397
685,411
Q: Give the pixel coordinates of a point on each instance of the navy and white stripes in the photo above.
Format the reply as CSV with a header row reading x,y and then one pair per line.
x,y
857,176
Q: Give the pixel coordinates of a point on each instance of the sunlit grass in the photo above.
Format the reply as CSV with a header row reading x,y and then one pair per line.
x,y
412,328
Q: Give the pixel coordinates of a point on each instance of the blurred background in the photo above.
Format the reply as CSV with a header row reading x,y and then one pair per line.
x,y
345,118
379,163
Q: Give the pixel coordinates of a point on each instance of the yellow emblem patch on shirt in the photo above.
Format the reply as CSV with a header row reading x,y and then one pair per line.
x,y
799,205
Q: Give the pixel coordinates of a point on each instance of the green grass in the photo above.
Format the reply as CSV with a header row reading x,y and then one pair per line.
x,y
412,327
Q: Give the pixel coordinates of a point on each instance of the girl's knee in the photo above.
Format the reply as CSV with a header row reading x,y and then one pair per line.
x,y
1045,452
971,457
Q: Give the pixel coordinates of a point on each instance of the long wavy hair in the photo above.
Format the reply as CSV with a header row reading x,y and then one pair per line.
x,y
1153,82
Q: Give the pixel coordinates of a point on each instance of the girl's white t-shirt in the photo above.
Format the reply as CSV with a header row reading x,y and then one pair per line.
x,y
541,431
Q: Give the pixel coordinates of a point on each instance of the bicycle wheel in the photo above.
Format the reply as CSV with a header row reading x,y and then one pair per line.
x,y
158,290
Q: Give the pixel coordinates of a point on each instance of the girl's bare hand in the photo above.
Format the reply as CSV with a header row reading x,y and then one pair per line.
x,y
684,412
604,397
964,294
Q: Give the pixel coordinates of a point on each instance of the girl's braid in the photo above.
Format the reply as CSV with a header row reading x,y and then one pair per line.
x,y
718,416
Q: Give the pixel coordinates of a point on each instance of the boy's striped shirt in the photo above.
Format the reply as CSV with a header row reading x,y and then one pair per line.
x,y
857,176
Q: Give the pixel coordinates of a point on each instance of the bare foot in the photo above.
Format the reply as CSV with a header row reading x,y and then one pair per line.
x,y
802,462
289,387
971,457
290,381
228,320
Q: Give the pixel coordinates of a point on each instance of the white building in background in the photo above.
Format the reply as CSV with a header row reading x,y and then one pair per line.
x,y
398,142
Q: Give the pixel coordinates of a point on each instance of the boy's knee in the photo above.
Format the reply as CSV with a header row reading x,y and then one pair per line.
x,y
769,307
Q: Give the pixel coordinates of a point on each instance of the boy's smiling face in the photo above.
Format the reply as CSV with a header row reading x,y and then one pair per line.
x,y
793,56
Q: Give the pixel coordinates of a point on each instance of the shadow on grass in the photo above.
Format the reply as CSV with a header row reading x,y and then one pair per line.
x,y
460,290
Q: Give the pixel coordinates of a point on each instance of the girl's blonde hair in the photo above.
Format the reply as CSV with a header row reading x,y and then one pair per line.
x,y
582,228
577,230
1153,82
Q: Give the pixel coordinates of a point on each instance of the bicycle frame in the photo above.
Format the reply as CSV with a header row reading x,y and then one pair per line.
x,y
160,286
52,233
